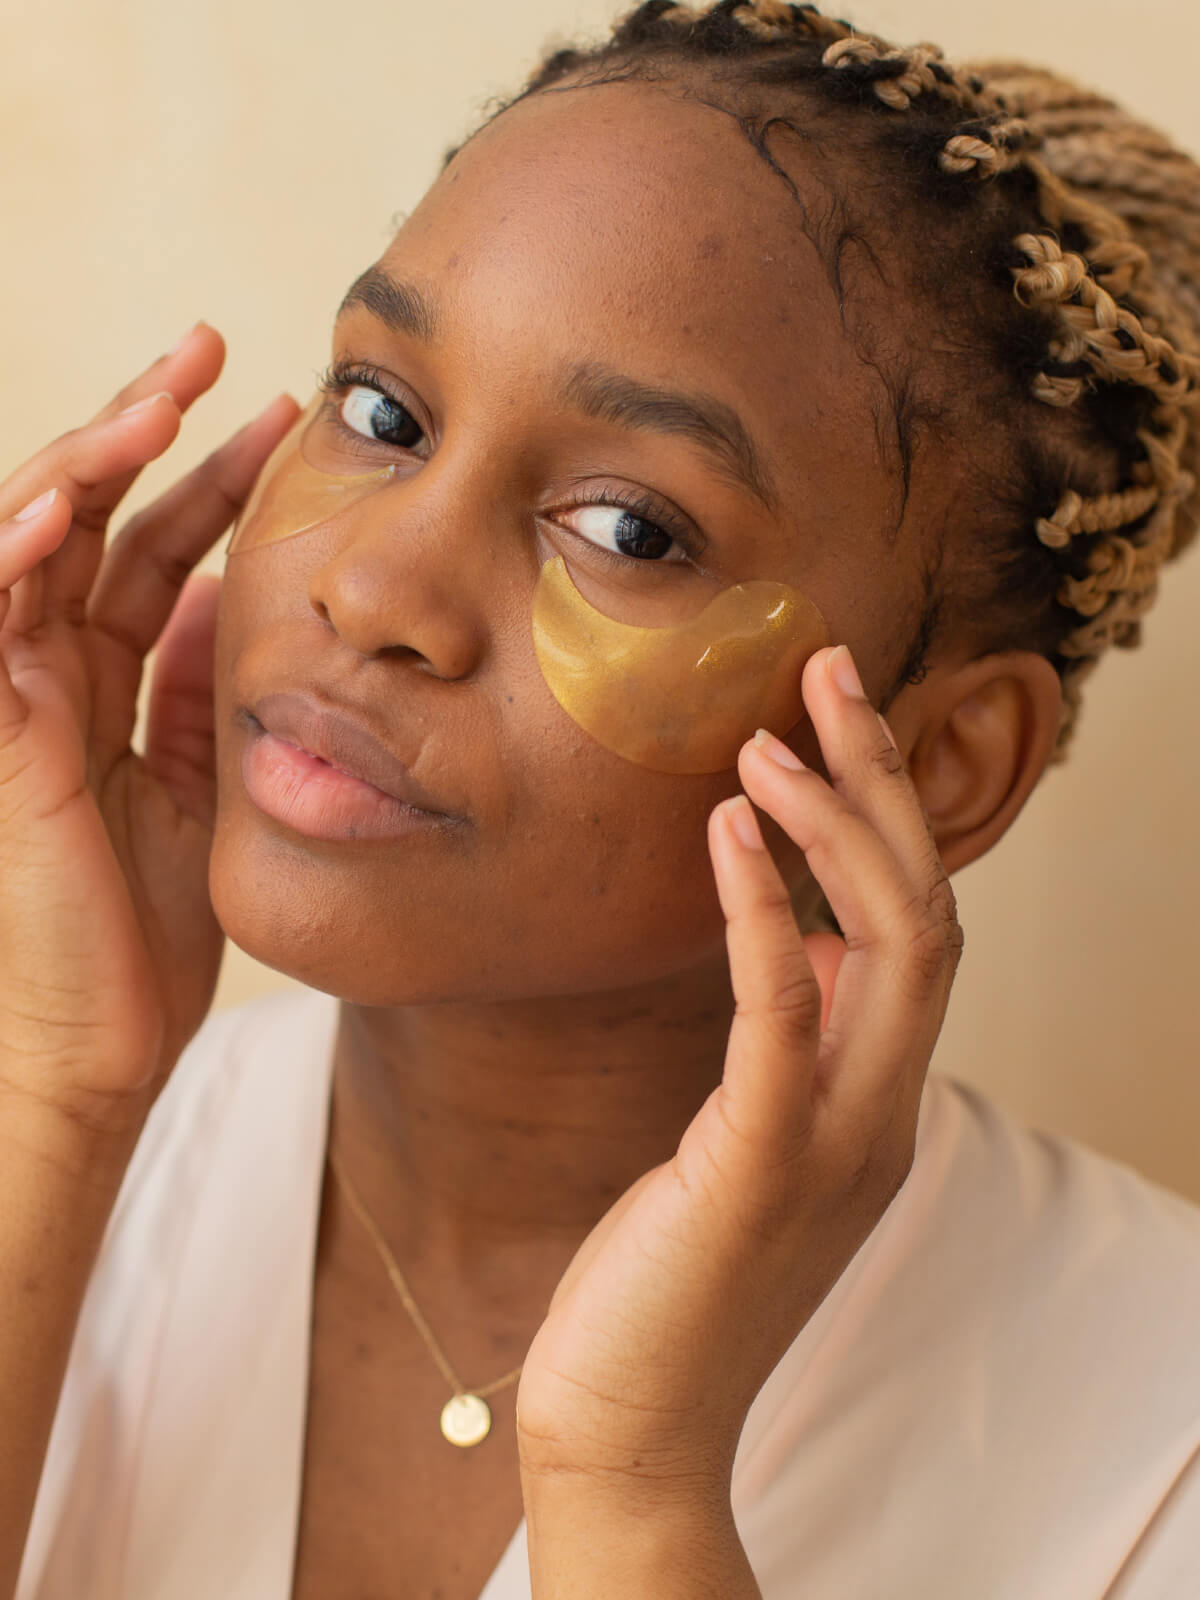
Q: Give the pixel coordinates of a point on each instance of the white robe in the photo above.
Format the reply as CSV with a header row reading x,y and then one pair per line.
x,y
1000,1399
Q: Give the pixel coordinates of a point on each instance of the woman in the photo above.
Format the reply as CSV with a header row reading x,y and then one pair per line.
x,y
745,332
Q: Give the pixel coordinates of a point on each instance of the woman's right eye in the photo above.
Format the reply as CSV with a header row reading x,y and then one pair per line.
x,y
377,416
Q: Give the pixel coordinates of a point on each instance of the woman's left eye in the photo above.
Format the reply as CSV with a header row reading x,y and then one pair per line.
x,y
378,416
626,533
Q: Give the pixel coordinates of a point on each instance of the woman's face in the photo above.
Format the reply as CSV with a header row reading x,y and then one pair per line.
x,y
613,233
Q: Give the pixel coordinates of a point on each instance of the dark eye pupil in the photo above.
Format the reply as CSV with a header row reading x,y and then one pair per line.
x,y
637,537
392,424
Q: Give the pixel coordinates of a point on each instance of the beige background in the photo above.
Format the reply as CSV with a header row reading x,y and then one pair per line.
x,y
240,160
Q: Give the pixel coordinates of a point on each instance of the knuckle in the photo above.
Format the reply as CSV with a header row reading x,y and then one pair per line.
x,y
137,539
792,1005
943,906
926,955
173,570
885,759
774,901
215,473
879,1165
955,942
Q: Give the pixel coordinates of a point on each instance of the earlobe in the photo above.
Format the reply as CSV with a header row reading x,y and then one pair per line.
x,y
979,739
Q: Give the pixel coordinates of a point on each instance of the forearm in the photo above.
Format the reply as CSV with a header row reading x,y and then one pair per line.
x,y
58,1182
586,1544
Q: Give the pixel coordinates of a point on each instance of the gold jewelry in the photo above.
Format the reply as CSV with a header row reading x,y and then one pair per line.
x,y
466,1416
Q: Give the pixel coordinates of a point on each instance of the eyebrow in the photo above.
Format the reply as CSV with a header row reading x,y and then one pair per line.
x,y
702,419
401,307
595,390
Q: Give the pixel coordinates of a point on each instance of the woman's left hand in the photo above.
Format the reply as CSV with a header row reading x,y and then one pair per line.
x,y
689,1290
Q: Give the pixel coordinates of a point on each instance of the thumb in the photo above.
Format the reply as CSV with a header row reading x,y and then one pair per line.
x,y
180,719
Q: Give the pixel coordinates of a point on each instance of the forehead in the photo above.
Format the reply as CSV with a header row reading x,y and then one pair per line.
x,y
638,228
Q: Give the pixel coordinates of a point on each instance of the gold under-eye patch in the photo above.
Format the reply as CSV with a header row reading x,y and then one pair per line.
x,y
684,698
291,497
679,699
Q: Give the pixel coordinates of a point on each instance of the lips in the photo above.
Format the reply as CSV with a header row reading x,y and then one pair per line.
x,y
337,737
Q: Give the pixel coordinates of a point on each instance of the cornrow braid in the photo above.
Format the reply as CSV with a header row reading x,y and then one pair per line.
x,y
1078,275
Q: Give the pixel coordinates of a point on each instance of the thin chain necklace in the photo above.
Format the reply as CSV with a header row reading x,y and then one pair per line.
x,y
466,1416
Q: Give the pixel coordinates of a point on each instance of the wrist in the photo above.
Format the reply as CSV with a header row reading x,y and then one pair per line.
x,y
84,1143
590,1538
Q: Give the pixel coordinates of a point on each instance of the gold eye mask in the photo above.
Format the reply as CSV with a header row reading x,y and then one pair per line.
x,y
290,497
680,699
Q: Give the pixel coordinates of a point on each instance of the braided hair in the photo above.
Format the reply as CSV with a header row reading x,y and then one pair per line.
x,y
1054,239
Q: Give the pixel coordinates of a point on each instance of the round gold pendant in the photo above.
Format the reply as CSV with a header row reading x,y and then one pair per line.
x,y
466,1419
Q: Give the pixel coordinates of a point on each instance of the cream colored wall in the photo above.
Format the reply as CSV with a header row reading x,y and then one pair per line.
x,y
241,162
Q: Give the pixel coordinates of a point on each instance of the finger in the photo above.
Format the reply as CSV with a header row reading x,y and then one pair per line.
x,y
144,570
95,465
188,370
25,540
180,740
185,374
773,1041
85,460
865,766
867,769
895,979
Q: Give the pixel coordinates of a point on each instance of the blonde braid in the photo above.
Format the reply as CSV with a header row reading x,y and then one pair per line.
x,y
768,20
1137,200
1107,258
1128,313
915,71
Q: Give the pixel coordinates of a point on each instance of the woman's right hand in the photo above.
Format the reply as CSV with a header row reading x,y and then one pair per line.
x,y
109,949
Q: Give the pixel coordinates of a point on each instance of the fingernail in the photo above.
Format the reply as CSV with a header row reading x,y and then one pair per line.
x,y
176,348
744,823
845,673
144,405
36,507
891,737
775,750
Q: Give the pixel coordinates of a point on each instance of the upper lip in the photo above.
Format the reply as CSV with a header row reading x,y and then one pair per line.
x,y
336,735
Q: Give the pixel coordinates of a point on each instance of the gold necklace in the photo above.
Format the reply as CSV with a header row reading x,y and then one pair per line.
x,y
466,1416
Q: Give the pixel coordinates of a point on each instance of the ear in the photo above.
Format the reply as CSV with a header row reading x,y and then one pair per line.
x,y
976,739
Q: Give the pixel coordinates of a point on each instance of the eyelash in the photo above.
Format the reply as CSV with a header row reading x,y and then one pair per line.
x,y
646,509
341,376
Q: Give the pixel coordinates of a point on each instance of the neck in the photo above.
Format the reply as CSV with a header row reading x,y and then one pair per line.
x,y
487,1140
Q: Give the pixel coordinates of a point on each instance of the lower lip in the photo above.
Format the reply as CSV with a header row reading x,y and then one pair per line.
x,y
315,799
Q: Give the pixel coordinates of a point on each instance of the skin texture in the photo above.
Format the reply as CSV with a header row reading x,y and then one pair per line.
x,y
538,1010
537,1001
573,918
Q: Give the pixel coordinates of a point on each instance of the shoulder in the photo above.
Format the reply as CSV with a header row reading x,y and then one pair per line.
x,y
1058,1225
184,1392
1002,1393
1054,1280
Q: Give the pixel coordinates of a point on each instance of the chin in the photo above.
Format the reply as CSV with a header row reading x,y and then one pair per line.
x,y
316,925
426,923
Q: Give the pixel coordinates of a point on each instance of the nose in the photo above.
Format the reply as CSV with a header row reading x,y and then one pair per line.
x,y
402,580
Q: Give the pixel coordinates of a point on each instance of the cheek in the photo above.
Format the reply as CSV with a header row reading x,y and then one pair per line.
x,y
589,874
581,870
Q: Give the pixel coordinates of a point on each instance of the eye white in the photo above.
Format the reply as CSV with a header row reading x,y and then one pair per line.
x,y
358,408
599,524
